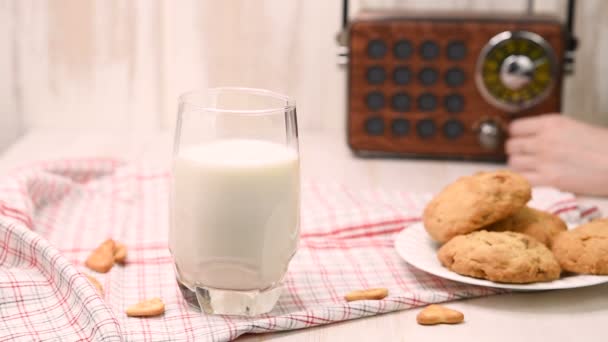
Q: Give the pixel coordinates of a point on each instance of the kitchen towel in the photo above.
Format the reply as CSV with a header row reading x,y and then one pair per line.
x,y
52,215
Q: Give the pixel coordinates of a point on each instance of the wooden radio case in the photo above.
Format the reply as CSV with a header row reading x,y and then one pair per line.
x,y
447,86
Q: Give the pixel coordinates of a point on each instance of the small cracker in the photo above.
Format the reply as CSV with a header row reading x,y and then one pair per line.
x,y
439,314
368,294
146,308
102,258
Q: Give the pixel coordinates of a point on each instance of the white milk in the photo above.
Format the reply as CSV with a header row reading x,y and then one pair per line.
x,y
236,213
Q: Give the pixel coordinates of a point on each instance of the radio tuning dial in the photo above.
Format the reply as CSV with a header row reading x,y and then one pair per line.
x,y
517,71
489,134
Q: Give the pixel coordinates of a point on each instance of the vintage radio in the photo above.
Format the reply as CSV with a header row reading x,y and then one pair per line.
x,y
446,86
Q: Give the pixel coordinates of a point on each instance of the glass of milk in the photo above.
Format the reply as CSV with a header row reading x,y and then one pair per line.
x,y
235,201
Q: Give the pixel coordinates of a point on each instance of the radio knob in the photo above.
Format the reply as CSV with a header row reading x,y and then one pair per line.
x,y
517,71
490,134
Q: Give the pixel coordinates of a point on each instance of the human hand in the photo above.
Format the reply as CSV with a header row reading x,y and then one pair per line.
x,y
558,151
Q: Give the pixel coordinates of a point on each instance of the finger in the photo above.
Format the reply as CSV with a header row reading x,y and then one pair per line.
x,y
534,178
521,145
527,126
522,163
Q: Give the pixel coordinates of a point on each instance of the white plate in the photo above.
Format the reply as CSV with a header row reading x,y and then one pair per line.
x,y
415,246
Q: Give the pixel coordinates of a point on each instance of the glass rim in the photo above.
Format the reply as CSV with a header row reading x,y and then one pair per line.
x,y
290,102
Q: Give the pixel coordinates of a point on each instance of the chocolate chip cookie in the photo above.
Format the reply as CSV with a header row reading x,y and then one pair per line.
x,y
473,202
584,249
504,257
541,225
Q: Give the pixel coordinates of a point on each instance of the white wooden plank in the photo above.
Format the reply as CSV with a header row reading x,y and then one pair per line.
x,y
518,6
126,80
332,102
439,5
10,120
305,62
585,90
182,59
271,44
552,7
146,104
32,58
263,44
89,63
602,74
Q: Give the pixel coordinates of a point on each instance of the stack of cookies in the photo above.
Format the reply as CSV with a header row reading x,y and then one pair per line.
x,y
488,232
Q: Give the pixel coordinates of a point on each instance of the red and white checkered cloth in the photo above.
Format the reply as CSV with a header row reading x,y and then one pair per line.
x,y
52,215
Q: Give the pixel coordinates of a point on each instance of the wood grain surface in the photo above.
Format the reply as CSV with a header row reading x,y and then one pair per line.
x,y
566,315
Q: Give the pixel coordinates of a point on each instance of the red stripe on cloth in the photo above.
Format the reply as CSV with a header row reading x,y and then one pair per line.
x,y
15,214
130,247
376,233
564,210
589,211
361,227
562,202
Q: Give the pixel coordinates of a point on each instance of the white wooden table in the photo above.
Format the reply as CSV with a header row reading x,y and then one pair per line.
x,y
568,315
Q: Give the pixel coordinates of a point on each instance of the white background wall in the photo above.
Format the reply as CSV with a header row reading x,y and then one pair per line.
x,y
120,64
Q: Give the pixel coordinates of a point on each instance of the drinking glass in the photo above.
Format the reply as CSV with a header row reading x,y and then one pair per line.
x,y
235,198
